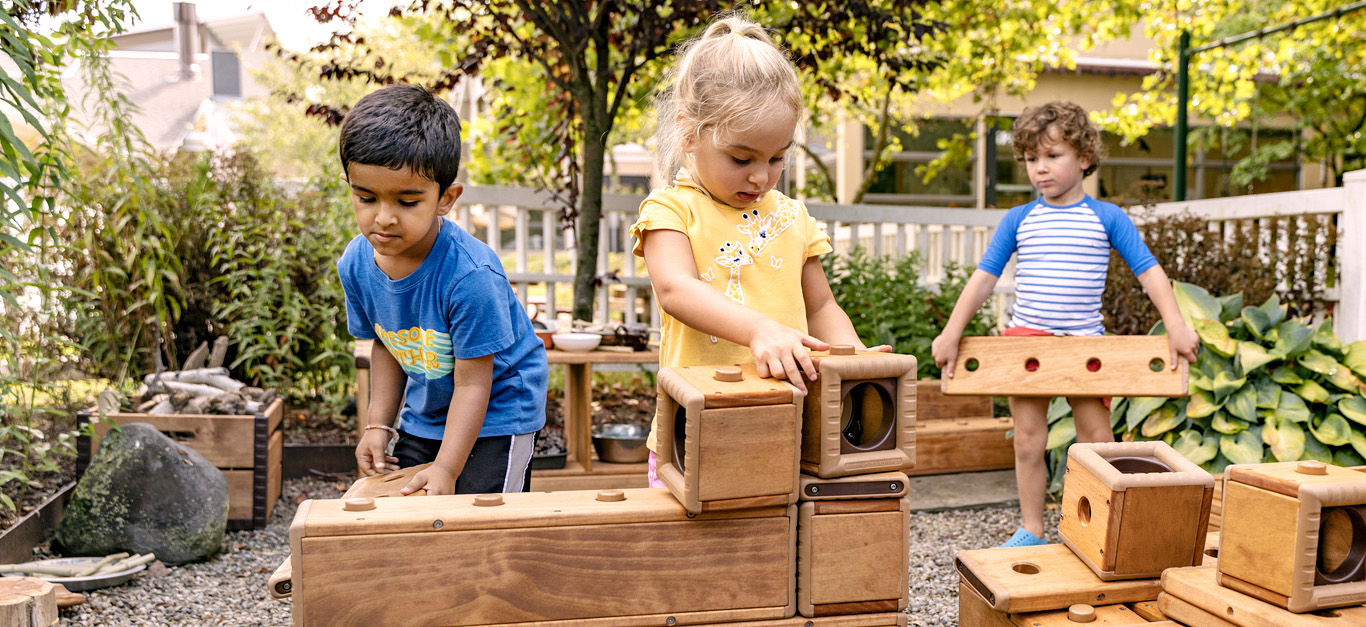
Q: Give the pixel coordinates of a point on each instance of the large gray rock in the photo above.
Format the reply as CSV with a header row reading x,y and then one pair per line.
x,y
145,492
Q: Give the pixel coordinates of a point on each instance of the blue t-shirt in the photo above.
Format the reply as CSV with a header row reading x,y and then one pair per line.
x,y
456,305
1063,259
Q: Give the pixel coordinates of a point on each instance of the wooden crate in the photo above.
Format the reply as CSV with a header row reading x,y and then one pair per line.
x,y
589,558
248,449
958,433
859,415
852,556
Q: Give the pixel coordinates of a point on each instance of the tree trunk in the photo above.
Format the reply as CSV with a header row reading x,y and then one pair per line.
x,y
590,209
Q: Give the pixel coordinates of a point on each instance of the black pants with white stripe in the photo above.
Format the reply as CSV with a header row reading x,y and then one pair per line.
x,y
497,463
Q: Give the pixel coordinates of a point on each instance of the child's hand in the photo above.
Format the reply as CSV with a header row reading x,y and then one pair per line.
x,y
881,348
435,479
370,457
1184,342
945,351
780,352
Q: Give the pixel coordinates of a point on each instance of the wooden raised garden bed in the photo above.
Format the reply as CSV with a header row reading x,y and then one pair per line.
x,y
248,449
958,433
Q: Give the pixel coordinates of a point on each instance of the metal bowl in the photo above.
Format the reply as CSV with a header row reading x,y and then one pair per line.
x,y
81,584
621,444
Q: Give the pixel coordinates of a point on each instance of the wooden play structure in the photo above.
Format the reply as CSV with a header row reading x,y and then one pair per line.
x,y
1114,365
1294,534
739,538
1133,509
725,438
860,414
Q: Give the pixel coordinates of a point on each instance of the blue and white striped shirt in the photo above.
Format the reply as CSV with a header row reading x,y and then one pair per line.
x,y
1063,255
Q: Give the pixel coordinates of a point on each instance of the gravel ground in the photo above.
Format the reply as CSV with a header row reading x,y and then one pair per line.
x,y
231,588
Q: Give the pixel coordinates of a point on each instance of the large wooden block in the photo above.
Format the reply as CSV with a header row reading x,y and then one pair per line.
x,y
614,557
1294,534
853,557
1188,614
1093,616
1046,577
1199,588
727,444
859,416
1115,365
1133,509
248,449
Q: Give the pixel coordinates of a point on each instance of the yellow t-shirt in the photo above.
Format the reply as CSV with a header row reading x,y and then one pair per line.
x,y
753,255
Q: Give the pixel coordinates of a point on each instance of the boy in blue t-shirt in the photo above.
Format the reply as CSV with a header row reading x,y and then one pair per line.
x,y
1062,242
457,362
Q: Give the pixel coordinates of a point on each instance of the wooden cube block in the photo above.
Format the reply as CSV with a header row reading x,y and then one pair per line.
x,y
1294,534
853,557
727,438
592,558
859,416
1133,509
1114,365
1044,577
887,485
1190,595
248,449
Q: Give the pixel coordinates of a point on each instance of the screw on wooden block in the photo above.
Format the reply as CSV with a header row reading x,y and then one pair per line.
x,y
1311,467
437,524
611,496
1081,613
488,500
671,621
361,504
841,349
814,490
729,374
894,487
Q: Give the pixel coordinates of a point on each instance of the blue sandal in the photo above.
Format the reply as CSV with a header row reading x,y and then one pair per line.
x,y
1022,538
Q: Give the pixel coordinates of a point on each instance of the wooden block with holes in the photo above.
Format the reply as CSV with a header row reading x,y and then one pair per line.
x,y
1133,509
248,449
1294,534
593,558
1045,577
859,416
727,438
1115,365
853,545
1194,596
1093,616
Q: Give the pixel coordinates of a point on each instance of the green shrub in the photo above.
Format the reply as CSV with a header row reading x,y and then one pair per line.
x,y
888,305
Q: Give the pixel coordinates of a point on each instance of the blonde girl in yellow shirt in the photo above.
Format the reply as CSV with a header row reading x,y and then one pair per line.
x,y
734,262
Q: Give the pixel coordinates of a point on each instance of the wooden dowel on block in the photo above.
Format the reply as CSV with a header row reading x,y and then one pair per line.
x,y
1119,365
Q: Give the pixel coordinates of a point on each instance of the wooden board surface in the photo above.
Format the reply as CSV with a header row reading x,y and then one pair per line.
x,y
1198,587
1090,515
242,483
1048,577
225,441
974,611
1162,527
854,557
1062,367
741,568
1148,610
931,404
962,444
746,452
1257,542
1283,478
1188,614
752,390
1105,616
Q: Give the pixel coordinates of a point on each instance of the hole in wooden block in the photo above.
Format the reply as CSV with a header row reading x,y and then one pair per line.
x,y
1093,365
1214,553
1327,614
680,436
971,365
1025,568
1229,610
867,416
1138,465
1342,545
1157,364
1084,511
1031,364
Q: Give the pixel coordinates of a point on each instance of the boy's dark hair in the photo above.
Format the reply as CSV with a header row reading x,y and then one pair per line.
x,y
403,126
1031,128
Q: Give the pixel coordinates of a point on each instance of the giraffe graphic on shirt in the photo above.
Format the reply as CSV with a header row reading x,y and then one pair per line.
x,y
733,255
763,229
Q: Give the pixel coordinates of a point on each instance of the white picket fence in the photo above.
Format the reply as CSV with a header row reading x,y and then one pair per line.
x,y
524,217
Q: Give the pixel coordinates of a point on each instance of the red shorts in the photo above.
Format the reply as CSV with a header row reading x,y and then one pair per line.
x,y
1028,332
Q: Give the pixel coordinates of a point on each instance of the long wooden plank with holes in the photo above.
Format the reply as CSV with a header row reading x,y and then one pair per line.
x,y
1128,365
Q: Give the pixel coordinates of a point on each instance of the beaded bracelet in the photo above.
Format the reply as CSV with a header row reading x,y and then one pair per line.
x,y
393,436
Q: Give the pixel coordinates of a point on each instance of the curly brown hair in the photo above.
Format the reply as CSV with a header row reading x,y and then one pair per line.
x,y
1032,127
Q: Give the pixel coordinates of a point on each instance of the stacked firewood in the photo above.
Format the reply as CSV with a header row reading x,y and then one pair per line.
x,y
201,386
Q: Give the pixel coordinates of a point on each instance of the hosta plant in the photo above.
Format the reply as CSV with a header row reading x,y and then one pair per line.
x,y
1266,387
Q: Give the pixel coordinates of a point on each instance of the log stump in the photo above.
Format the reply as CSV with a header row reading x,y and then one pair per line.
x,y
27,602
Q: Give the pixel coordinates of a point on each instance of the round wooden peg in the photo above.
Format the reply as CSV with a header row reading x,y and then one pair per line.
x,y
1311,467
488,500
611,496
841,349
729,374
359,504
1081,613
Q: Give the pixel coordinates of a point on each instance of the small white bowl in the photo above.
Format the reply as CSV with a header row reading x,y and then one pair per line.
x,y
576,342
